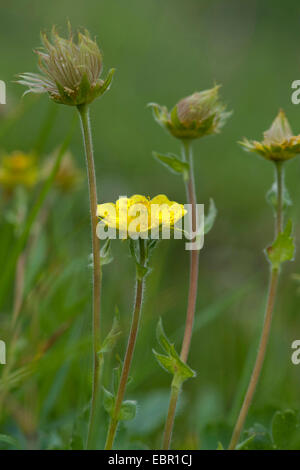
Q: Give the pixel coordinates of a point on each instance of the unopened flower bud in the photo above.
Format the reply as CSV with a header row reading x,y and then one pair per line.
x,y
195,116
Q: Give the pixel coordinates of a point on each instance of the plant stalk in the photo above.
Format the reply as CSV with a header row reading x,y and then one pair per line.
x,y
88,145
128,355
192,295
274,275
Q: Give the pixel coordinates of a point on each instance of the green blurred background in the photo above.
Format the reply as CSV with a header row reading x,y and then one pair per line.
x,y
162,51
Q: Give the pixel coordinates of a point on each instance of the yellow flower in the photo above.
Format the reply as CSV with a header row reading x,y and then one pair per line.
x,y
68,176
17,169
195,116
278,144
70,71
138,214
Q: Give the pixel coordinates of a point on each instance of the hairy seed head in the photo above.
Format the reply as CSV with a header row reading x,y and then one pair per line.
x,y
70,70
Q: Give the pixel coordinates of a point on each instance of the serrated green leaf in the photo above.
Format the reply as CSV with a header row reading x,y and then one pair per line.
x,y
163,339
171,362
165,362
128,410
108,401
210,218
257,438
286,430
283,248
173,163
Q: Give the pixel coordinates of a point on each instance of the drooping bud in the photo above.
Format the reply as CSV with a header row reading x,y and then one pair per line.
x,y
70,72
278,144
195,116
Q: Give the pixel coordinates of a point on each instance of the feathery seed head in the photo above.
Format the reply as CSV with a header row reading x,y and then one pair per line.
x,y
70,71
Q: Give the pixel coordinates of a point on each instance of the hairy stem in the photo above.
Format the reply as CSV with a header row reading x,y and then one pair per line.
x,y
279,174
170,417
274,274
192,295
87,138
128,355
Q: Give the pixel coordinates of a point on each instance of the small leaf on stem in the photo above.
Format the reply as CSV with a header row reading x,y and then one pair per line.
x,y
173,163
283,248
128,410
171,362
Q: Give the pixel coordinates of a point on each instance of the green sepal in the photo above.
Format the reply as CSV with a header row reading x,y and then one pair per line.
x,y
173,163
160,113
105,85
210,218
84,90
174,117
64,97
171,362
283,248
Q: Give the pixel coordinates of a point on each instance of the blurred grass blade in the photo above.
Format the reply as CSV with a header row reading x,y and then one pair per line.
x,y
9,440
16,377
214,310
12,118
39,145
8,270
